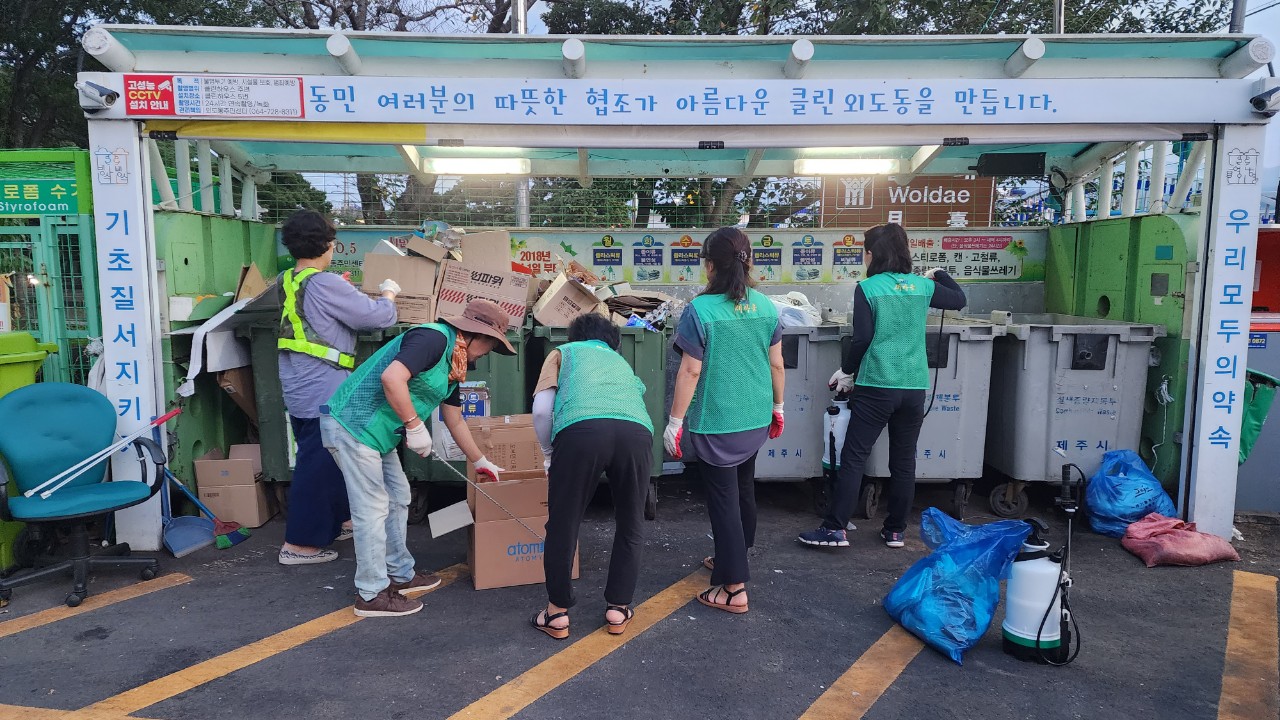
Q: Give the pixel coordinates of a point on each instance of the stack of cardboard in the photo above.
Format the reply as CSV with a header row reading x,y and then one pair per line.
x,y
231,486
434,283
503,552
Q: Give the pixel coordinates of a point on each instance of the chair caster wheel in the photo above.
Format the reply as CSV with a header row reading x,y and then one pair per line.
x,y
74,599
148,573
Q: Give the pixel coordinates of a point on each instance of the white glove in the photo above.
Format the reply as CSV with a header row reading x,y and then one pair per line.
x,y
546,459
418,439
840,381
931,272
390,286
483,466
671,436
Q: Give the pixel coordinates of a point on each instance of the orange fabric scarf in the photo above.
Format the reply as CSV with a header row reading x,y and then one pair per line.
x,y
458,363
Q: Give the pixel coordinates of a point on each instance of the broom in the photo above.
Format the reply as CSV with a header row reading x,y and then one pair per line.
x,y
225,534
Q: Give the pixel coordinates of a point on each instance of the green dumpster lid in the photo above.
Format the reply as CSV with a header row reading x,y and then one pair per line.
x,y
13,343
1257,376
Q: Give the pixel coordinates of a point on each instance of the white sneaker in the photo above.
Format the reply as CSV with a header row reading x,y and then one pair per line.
x,y
346,534
289,557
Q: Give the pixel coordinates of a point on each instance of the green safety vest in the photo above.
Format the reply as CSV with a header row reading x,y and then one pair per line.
x,y
896,358
597,383
296,334
735,388
360,405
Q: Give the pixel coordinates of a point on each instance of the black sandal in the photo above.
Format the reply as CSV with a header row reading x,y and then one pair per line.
x,y
545,625
617,628
705,597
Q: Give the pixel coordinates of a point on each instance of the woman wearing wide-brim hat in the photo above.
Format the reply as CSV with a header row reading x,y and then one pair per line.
x,y
386,399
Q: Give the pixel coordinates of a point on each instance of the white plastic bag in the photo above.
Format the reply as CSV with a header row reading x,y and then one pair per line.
x,y
795,310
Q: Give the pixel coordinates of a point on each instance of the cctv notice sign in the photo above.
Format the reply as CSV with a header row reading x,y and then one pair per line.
x,y
224,96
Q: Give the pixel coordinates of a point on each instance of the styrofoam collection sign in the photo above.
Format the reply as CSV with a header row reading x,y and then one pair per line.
x,y
670,101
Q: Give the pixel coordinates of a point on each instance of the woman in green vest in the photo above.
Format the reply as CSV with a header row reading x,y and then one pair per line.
x,y
730,383
387,399
888,373
589,413
320,315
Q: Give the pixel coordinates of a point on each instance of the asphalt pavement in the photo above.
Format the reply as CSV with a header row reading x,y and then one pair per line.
x,y
233,634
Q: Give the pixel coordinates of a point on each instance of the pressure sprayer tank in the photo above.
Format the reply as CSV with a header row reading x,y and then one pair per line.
x,y
837,423
1028,594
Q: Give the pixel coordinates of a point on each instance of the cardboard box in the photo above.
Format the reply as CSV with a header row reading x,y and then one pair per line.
x,y
509,442
238,383
244,504
475,403
604,292
229,486
488,251
563,301
522,492
502,553
423,248
460,283
418,278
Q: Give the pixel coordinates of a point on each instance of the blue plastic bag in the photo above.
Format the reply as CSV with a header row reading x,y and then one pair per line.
x,y
1124,491
949,598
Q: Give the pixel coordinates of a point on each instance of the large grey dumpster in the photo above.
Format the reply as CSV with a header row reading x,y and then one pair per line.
x,y
810,355
1068,383
953,436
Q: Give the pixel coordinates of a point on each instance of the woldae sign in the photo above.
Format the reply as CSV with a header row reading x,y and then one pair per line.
x,y
866,200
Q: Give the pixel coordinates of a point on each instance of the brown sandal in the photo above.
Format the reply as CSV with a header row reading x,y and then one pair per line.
x,y
706,598
545,625
617,628
709,563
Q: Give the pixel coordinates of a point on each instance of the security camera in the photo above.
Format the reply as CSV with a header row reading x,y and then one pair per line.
x,y
95,98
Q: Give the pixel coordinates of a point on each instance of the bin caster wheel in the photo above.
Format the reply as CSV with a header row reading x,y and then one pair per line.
x,y
960,499
418,503
822,488
5,597
74,599
651,502
1009,500
868,499
148,573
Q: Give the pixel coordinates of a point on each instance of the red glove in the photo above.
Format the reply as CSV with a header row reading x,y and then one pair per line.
x,y
672,435
347,276
775,427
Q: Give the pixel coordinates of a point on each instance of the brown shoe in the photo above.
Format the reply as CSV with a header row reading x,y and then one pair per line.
x,y
416,585
387,604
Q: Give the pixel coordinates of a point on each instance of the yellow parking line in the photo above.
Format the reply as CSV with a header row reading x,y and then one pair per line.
x,y
93,602
853,693
188,678
21,712
549,674
1251,674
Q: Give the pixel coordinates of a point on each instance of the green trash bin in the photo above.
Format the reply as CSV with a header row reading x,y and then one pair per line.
x,y
1259,393
646,352
20,359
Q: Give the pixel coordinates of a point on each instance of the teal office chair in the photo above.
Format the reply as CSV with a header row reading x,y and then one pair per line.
x,y
48,428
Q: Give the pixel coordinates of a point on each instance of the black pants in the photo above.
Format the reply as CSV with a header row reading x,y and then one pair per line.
x,y
623,451
731,503
318,495
870,410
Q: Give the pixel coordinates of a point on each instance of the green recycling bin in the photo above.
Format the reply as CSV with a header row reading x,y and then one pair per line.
x,y
1259,393
20,359
21,356
646,352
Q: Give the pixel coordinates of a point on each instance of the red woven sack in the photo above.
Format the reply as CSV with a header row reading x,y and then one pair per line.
x,y
1160,540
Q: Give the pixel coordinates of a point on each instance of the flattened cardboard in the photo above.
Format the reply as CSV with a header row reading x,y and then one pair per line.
x,y
460,283
504,554
417,277
424,248
252,283
563,301
244,504
238,383
488,251
508,441
446,520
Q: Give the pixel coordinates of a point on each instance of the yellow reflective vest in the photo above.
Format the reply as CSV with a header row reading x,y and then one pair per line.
x,y
296,334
